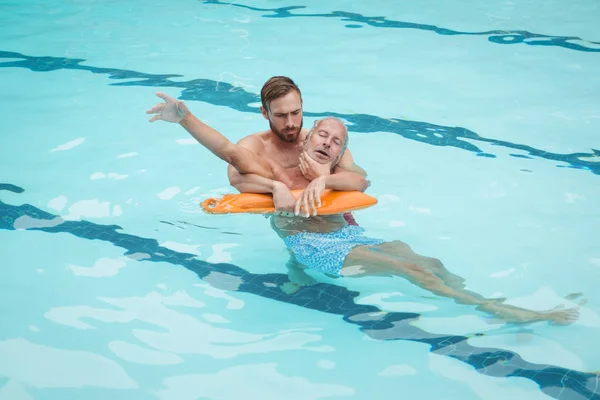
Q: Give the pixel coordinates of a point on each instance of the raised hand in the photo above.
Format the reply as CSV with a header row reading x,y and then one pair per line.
x,y
172,110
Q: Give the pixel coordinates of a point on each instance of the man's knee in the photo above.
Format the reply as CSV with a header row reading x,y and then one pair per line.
x,y
398,246
434,263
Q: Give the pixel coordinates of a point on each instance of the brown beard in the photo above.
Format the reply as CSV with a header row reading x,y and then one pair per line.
x,y
282,136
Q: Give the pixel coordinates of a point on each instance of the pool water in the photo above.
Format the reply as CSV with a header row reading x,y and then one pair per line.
x,y
478,127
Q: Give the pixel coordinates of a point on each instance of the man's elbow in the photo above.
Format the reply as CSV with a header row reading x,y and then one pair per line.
x,y
235,178
362,184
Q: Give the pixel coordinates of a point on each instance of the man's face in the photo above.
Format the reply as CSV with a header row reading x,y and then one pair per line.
x,y
326,142
285,116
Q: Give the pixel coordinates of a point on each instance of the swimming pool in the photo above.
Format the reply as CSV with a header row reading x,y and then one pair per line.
x,y
476,123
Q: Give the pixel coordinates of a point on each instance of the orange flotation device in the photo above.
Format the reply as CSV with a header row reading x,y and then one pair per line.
x,y
332,202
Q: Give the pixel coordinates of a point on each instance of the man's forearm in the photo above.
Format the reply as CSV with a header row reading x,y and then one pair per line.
x,y
346,181
355,169
214,141
251,183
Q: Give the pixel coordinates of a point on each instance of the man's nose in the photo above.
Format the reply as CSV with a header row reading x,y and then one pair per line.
x,y
289,122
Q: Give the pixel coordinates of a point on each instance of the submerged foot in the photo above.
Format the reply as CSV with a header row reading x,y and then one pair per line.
x,y
298,277
289,288
563,317
520,315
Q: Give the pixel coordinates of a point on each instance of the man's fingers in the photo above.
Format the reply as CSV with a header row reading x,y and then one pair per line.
x,y
156,117
312,202
308,203
297,208
305,203
156,108
165,97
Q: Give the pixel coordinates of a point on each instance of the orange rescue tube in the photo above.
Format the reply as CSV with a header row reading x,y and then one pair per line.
x,y
332,202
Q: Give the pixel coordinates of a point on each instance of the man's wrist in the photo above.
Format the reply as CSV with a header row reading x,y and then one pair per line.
x,y
277,185
326,180
187,119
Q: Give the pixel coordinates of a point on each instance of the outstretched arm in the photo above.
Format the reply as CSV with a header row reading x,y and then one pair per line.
x,y
242,159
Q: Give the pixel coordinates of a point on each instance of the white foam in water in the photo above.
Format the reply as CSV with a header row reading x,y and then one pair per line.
x,y
232,302
141,355
88,209
168,193
502,274
396,224
58,203
68,145
179,332
398,370
420,210
220,190
192,190
326,364
219,254
463,325
37,365
117,211
97,175
532,347
572,197
188,141
104,267
215,318
127,155
380,300
182,248
112,175
386,198
259,381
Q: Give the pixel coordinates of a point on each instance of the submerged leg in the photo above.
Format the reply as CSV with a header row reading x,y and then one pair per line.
x,y
370,261
402,251
297,276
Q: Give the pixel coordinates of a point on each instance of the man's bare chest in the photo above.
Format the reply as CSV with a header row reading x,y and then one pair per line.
x,y
287,166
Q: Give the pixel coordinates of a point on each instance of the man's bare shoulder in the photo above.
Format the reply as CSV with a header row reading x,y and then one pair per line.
x,y
255,141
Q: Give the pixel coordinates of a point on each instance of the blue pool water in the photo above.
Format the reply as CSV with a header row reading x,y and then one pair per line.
x,y
477,123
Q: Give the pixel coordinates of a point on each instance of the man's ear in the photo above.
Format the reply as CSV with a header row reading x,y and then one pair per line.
x,y
264,112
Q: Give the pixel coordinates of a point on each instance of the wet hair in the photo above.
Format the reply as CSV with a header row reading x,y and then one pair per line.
x,y
344,144
276,87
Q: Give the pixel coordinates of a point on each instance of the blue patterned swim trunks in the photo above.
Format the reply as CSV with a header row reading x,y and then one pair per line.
x,y
325,252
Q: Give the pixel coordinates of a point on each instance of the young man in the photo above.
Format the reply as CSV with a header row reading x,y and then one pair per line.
x,y
283,143
328,243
